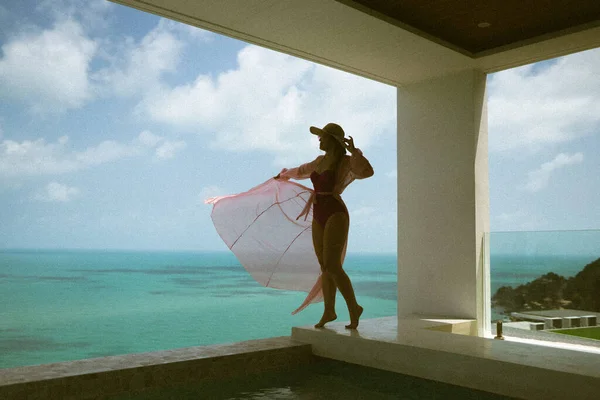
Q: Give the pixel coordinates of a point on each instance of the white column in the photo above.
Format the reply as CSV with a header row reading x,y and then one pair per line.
x,y
443,196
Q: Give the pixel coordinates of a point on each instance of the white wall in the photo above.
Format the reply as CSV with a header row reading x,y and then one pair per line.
x,y
443,204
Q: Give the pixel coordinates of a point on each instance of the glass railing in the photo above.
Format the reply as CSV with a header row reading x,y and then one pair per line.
x,y
546,283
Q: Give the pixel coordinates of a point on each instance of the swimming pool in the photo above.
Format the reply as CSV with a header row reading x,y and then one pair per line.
x,y
323,379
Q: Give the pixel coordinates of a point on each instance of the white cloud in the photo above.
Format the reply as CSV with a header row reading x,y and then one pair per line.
x,y
37,157
392,174
194,33
532,107
104,152
136,67
363,212
373,217
91,13
3,12
516,220
165,149
168,149
48,70
210,191
56,192
269,101
509,217
149,139
539,178
373,224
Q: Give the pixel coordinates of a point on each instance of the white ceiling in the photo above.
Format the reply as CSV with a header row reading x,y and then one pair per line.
x,y
330,33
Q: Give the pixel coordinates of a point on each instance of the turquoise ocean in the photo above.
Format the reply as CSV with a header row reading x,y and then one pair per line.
x,y
60,305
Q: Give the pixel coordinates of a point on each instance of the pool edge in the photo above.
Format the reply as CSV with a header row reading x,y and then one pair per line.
x,y
114,375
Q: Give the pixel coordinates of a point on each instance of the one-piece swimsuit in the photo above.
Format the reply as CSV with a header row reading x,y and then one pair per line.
x,y
326,203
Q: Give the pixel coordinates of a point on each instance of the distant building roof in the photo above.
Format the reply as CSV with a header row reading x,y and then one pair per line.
x,y
560,313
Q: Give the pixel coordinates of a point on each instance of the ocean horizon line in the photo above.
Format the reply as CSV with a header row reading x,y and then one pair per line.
x,y
125,250
526,253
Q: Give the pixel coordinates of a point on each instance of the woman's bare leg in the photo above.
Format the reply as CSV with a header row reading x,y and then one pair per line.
x,y
334,243
328,285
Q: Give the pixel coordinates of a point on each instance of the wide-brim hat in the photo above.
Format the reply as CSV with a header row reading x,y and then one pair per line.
x,y
330,129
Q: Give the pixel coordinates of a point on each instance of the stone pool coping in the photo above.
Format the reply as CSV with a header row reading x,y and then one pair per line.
x,y
110,376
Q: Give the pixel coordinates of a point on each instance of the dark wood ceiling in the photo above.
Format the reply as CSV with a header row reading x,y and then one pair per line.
x,y
455,23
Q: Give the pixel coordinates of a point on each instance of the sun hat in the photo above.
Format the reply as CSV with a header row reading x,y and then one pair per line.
x,y
331,129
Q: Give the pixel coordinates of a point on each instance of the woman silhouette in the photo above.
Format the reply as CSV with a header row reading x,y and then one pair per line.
x,y
331,174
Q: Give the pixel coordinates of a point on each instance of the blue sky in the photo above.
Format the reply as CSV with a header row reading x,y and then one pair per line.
x,y
115,125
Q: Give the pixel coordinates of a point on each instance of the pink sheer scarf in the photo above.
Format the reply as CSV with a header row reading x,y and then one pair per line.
x,y
262,230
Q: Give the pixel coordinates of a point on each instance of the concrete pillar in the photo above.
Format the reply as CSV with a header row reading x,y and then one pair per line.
x,y
443,197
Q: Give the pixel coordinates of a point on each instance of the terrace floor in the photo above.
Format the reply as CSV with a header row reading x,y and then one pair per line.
x,y
439,349
446,350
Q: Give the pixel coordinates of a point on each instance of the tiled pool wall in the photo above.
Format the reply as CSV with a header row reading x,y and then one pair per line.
x,y
109,376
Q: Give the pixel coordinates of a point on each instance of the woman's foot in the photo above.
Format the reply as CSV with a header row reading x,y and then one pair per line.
x,y
327,317
354,317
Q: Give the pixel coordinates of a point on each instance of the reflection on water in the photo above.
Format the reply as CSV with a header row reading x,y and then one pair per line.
x,y
326,379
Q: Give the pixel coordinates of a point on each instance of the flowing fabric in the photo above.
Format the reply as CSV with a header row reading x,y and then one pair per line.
x,y
261,228
269,227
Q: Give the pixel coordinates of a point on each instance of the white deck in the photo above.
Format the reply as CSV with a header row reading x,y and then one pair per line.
x,y
425,348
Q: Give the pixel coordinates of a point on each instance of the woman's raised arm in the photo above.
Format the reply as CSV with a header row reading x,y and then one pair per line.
x,y
301,172
359,166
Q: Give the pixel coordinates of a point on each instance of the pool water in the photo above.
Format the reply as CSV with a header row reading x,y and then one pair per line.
x,y
324,379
